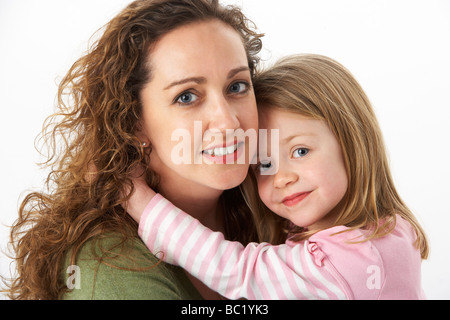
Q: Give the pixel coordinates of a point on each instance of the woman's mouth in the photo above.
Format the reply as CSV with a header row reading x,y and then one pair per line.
x,y
295,198
226,154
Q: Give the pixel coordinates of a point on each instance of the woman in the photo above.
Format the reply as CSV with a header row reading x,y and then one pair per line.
x,y
160,66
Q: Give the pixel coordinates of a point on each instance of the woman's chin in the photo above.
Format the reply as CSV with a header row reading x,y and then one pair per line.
x,y
229,178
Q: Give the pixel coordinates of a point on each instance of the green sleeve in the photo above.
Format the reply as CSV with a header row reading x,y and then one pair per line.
x,y
124,272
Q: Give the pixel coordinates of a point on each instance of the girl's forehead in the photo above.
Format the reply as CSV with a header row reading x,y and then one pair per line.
x,y
273,116
291,125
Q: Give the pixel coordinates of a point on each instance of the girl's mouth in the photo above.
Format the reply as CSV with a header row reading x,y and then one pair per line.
x,y
295,198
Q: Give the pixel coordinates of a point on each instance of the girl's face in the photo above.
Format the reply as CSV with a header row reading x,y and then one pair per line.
x,y
198,97
310,178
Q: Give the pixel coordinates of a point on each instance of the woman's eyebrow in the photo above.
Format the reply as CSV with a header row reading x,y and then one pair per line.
x,y
202,80
198,80
235,71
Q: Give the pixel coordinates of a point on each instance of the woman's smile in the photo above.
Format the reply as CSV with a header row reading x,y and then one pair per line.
x,y
224,155
200,92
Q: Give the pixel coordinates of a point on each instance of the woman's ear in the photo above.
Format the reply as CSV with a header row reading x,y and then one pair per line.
x,y
141,134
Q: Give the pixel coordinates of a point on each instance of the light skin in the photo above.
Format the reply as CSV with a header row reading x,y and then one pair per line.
x,y
199,73
310,178
307,181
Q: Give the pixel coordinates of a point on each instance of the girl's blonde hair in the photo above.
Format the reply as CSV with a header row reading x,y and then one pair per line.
x,y
319,87
94,148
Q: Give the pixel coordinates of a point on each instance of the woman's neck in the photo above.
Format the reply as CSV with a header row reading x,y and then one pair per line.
x,y
201,203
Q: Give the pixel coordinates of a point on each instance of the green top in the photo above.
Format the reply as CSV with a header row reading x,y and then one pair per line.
x,y
124,272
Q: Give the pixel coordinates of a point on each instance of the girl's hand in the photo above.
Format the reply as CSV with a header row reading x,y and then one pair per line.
x,y
140,197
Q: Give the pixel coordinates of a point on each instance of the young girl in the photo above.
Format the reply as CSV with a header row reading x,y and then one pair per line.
x,y
351,236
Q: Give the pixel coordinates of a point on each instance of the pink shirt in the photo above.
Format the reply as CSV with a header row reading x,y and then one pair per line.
x,y
322,267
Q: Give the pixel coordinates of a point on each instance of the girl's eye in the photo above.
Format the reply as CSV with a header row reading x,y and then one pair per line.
x,y
263,166
238,87
300,152
186,98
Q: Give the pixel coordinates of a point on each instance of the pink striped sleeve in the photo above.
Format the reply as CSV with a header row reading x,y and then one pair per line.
x,y
257,271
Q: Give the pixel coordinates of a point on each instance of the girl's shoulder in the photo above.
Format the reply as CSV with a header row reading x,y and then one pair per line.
x,y
364,265
346,248
356,239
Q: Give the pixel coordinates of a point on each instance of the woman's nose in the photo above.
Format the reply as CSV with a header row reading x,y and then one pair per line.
x,y
223,116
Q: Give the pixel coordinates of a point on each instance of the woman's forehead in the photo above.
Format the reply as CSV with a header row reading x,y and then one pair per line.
x,y
198,50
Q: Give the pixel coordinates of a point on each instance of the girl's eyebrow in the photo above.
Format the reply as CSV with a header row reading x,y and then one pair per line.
x,y
202,80
289,138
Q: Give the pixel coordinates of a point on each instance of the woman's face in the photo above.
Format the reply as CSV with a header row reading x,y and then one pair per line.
x,y
196,106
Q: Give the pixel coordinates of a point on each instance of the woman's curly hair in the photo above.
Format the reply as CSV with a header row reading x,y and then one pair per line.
x,y
93,146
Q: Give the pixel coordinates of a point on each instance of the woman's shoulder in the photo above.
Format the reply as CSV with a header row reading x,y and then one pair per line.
x,y
109,267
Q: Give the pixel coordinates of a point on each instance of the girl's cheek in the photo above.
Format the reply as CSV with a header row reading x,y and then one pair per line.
x,y
264,190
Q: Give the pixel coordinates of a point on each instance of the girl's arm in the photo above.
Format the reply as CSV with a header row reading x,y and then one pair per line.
x,y
257,271
140,196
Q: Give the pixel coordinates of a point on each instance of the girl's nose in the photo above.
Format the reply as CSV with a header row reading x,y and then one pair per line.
x,y
284,177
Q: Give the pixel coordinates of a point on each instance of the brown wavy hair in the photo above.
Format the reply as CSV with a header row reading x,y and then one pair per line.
x,y
320,88
93,146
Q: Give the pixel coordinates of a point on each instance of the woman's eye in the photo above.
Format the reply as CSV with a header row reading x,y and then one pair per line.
x,y
238,87
300,152
186,98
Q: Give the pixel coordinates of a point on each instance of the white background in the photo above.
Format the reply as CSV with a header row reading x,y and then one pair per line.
x,y
398,49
